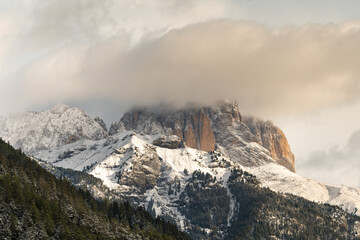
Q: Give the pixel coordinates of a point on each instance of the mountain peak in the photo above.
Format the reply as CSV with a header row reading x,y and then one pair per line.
x,y
210,127
44,130
60,108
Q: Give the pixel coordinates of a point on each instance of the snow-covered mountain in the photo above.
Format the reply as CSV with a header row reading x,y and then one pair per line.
x,y
128,155
158,178
161,159
209,128
35,131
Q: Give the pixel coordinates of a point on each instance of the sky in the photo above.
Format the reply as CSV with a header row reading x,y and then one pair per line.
x,y
292,62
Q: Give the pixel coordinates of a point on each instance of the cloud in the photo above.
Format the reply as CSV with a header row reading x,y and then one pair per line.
x,y
336,165
45,46
284,70
176,52
292,69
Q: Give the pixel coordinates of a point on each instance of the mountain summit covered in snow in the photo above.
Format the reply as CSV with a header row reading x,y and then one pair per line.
x,y
211,128
61,125
207,169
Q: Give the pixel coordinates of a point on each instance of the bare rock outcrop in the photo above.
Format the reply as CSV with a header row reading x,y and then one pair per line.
x,y
101,123
273,139
114,128
204,128
196,131
191,125
145,171
171,142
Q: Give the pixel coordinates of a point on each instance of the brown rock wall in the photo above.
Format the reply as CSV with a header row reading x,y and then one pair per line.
x,y
206,134
202,127
189,137
273,139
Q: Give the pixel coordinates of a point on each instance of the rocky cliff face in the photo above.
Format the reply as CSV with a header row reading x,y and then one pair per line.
x,y
195,129
206,128
145,170
114,128
191,125
273,139
101,123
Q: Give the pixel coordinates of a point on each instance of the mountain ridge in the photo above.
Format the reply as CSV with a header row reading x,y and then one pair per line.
x,y
34,131
153,158
202,127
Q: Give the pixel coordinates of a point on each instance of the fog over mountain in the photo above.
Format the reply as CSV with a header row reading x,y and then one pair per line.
x,y
341,162
104,57
214,172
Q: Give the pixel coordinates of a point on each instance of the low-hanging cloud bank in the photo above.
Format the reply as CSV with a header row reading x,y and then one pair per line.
x,y
281,70
292,69
335,164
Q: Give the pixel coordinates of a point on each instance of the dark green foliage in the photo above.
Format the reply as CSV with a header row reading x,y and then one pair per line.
x,y
259,213
205,203
262,213
80,179
34,204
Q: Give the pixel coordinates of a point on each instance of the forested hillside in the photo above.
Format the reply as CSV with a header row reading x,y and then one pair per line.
x,y
259,213
36,205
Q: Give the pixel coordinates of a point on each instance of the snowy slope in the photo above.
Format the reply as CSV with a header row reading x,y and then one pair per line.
x,y
280,179
82,153
34,131
156,177
115,159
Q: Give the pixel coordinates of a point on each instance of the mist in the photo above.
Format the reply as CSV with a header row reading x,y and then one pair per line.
x,y
105,57
286,70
